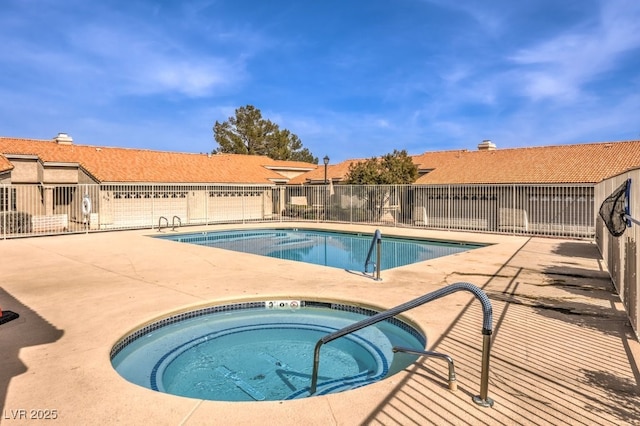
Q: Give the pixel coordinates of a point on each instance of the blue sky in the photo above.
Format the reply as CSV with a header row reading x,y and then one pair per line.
x,y
353,79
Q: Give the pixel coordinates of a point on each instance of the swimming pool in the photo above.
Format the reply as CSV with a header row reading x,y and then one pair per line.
x,y
334,249
262,350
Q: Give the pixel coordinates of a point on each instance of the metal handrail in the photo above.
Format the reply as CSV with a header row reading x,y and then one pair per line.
x,y
173,223
453,385
160,222
487,319
377,242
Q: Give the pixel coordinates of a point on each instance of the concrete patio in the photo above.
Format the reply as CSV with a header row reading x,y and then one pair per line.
x,y
563,351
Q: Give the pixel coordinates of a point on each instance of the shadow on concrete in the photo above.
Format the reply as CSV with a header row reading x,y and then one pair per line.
x,y
579,296
577,249
30,329
620,393
614,396
590,303
580,281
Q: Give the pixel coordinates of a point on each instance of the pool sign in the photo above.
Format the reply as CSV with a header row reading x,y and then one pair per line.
x,y
282,304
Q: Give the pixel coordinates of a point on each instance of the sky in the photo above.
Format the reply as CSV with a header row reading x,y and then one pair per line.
x,y
352,79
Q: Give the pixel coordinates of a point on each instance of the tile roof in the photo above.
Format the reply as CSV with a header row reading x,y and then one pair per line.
x,y
107,164
335,172
291,165
5,165
580,163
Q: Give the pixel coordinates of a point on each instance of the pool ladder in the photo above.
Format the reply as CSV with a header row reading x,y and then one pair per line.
x,y
483,399
377,243
160,222
173,223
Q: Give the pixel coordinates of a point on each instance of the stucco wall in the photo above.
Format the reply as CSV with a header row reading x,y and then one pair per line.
x,y
122,206
290,174
84,178
60,174
5,178
26,171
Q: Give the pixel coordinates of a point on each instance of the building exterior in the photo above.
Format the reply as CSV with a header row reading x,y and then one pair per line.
x,y
545,189
59,184
53,185
587,163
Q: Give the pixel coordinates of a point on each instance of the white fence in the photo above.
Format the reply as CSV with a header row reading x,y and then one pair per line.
x,y
621,253
560,211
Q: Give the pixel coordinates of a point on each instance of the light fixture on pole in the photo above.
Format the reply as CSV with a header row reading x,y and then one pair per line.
x,y
326,162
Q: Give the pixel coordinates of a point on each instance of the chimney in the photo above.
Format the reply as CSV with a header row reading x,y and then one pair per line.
x,y
486,145
63,139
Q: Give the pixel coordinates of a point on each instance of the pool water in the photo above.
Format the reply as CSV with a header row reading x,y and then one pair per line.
x,y
264,353
334,249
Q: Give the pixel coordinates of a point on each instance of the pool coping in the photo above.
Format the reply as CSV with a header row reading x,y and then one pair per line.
x,y
175,237
259,305
76,295
283,310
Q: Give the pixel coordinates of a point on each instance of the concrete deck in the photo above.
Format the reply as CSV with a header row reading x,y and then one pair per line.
x,y
563,351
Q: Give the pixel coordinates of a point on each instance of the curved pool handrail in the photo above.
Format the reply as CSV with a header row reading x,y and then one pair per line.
x,y
160,222
487,319
173,223
377,242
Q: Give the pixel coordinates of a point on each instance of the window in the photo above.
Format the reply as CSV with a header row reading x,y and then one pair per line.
x,y
7,199
63,196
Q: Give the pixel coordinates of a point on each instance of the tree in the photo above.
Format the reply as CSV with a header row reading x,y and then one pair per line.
x,y
394,168
249,133
391,169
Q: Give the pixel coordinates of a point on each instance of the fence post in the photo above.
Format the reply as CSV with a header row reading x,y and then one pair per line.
x,y
6,202
513,209
448,207
351,204
207,190
153,204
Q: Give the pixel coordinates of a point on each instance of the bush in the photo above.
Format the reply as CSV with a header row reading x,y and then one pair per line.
x,y
296,211
15,223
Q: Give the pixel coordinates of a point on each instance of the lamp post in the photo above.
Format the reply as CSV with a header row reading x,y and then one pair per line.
x,y
326,162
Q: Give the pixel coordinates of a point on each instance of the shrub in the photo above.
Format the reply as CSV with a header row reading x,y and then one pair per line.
x,y
15,223
296,211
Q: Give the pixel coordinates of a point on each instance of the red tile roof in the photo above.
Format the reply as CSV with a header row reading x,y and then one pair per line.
x,y
108,164
581,163
5,165
335,172
290,165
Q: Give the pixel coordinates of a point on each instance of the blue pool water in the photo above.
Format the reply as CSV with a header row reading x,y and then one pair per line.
x,y
262,351
334,249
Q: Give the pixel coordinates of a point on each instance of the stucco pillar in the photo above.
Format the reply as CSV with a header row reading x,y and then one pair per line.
x,y
48,200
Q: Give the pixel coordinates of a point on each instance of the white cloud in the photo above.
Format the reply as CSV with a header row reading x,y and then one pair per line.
x,y
184,76
155,66
560,67
116,54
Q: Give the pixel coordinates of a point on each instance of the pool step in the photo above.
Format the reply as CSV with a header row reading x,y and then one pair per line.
x,y
275,361
294,242
337,385
246,387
